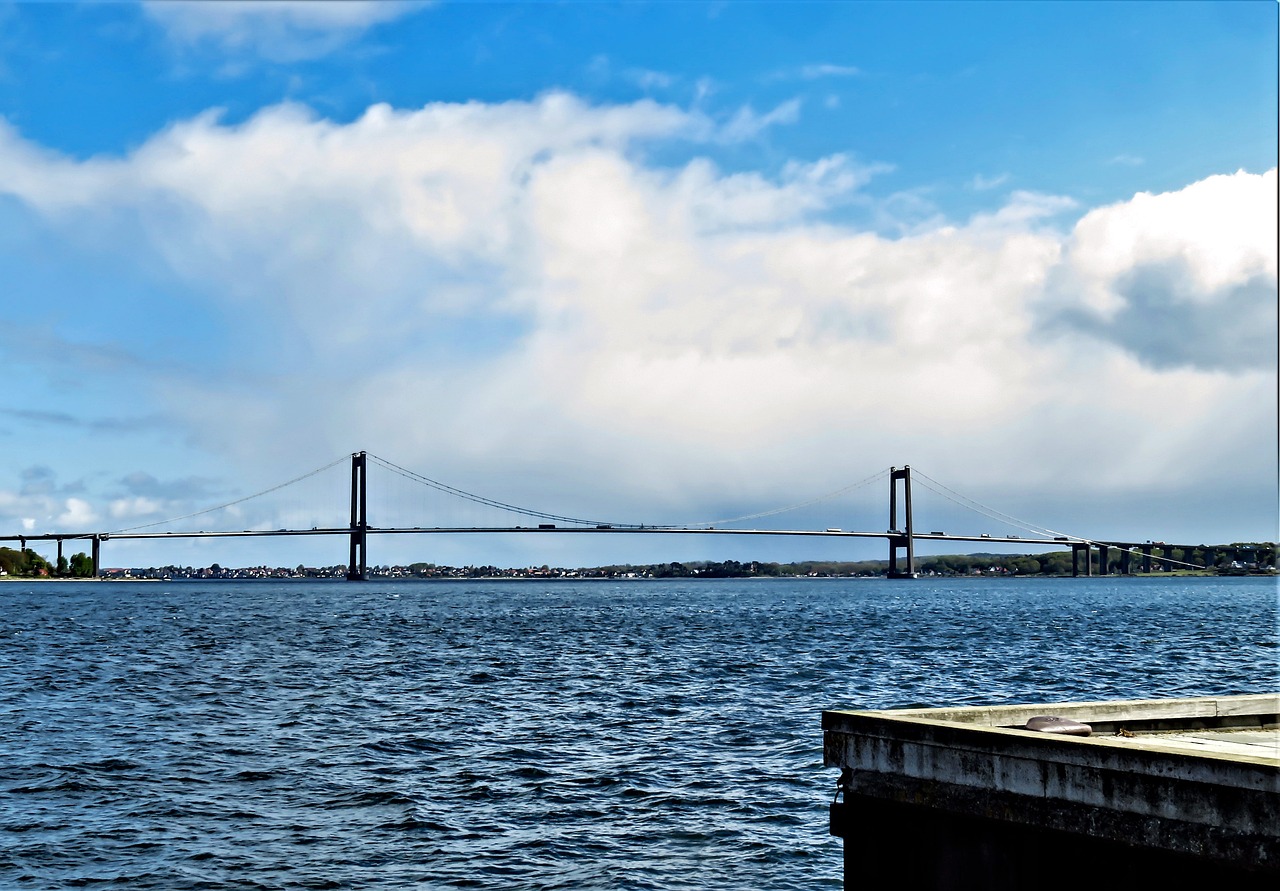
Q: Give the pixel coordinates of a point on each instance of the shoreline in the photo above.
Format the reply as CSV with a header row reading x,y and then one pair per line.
x,y
640,578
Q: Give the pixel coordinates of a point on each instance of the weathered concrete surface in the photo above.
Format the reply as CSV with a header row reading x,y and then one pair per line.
x,y
964,798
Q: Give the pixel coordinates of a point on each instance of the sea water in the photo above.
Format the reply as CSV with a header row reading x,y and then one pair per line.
x,y
527,735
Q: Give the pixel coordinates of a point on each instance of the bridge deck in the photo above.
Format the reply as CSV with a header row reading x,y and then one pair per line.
x,y
544,530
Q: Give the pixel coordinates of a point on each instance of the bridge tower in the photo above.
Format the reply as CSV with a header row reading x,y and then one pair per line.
x,y
359,517
902,538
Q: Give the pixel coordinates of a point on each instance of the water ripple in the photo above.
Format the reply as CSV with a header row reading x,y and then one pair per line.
x,y
526,735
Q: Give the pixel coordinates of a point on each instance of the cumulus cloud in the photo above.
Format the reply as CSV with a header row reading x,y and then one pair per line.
x,y
40,504
76,514
747,123
277,30
134,508
514,298
1180,278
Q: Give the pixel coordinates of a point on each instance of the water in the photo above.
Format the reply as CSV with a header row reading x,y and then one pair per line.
x,y
526,735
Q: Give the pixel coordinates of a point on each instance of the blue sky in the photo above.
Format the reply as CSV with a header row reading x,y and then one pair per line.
x,y
674,260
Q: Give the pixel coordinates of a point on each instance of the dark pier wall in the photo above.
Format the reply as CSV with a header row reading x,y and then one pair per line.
x,y
966,799
909,846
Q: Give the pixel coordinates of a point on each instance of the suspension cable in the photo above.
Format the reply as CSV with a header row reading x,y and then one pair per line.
x,y
782,510
927,481
991,513
490,502
978,507
210,510
529,512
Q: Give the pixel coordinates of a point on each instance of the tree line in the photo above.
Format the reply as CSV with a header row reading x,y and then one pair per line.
x,y
26,563
1239,558
1261,558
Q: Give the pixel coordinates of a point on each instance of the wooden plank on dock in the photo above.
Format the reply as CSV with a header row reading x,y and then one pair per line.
x,y
1239,743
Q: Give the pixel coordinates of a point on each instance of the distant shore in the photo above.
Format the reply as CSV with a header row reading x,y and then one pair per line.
x,y
1239,559
1182,573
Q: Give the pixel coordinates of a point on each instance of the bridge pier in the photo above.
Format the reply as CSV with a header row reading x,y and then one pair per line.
x,y
1126,556
1077,550
899,541
1104,559
1146,558
97,565
359,518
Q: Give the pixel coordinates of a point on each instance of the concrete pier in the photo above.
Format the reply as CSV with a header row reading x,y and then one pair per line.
x,y
1163,793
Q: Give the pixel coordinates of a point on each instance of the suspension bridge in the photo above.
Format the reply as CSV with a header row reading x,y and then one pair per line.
x,y
900,535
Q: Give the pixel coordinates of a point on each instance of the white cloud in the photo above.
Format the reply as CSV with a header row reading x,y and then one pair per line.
x,y
278,30
1223,228
982,183
747,123
814,72
1181,278
76,514
133,508
45,511
480,290
651,80
1023,208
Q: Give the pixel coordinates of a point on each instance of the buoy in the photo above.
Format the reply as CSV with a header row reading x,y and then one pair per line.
x,y
1055,724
